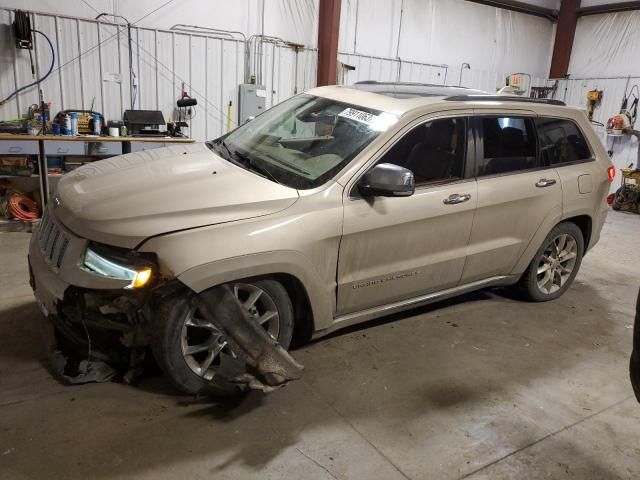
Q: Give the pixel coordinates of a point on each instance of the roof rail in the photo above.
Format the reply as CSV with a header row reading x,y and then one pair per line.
x,y
407,84
503,98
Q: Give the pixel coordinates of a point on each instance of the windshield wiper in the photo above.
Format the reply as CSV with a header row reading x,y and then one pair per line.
x,y
251,163
245,161
216,144
226,147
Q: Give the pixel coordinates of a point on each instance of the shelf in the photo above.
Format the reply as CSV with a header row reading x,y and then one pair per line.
x,y
7,225
18,176
35,175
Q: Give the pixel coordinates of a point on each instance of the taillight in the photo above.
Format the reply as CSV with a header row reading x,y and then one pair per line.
x,y
611,172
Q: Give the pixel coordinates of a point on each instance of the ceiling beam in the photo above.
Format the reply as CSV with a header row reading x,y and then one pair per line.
x,y
521,7
328,31
608,8
565,33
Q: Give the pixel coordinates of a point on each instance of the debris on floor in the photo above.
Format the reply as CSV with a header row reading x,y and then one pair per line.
x,y
73,372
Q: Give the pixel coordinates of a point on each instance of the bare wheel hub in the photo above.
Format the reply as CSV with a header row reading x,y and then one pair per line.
x,y
557,263
204,347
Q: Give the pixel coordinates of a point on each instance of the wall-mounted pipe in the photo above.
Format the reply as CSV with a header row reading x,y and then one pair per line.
x,y
252,45
181,27
400,29
464,66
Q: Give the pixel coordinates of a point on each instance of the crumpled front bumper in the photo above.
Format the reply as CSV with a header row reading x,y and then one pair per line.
x,y
55,260
48,287
634,368
76,301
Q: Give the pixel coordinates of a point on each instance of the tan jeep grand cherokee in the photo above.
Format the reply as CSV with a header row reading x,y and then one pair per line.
x,y
334,207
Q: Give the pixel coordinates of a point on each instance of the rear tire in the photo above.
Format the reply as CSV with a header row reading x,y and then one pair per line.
x,y
181,331
555,265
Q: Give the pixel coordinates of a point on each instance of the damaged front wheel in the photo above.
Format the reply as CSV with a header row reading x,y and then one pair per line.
x,y
195,354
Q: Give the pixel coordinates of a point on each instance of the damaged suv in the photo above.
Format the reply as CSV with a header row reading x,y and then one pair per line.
x,y
337,206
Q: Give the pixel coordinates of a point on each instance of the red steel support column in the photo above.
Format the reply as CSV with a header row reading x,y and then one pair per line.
x,y
565,32
328,30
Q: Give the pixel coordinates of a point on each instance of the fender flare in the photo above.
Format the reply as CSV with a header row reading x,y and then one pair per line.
x,y
321,294
550,221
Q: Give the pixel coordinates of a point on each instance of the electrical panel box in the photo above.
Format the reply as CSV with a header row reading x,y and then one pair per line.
x,y
251,101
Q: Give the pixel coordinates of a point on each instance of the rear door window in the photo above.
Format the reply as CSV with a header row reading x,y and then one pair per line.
x,y
561,142
509,145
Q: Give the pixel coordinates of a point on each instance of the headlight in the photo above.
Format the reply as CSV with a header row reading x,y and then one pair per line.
x,y
106,265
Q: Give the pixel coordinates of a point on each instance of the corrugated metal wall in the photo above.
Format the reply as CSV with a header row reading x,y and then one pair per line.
x,y
92,68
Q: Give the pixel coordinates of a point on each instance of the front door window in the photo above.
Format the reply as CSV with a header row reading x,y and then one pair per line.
x,y
434,151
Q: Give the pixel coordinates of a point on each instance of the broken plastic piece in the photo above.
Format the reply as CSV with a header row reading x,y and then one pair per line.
x,y
269,366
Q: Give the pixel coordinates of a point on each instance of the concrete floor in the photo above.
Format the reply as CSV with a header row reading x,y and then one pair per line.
x,y
481,387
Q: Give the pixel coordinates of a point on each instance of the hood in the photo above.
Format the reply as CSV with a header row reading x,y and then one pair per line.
x,y
123,200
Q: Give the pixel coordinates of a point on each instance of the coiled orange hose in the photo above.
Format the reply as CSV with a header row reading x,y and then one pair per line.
x,y
22,207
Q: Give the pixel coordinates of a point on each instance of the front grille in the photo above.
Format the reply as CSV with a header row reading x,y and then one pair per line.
x,y
53,242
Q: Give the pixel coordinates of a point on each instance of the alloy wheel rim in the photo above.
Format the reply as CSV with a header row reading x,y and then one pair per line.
x,y
557,263
204,347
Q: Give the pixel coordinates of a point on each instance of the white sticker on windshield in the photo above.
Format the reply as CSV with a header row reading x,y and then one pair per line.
x,y
358,115
379,123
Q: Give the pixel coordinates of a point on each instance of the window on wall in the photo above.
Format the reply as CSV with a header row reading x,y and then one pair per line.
x,y
509,145
561,142
434,151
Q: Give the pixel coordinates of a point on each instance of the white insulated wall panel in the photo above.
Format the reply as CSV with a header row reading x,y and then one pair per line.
x,y
387,69
90,65
7,77
70,71
198,82
162,62
230,78
444,32
214,121
147,68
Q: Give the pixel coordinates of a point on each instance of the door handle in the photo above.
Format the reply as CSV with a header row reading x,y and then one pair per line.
x,y
457,198
545,182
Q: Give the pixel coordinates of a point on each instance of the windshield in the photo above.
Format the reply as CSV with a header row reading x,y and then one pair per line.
x,y
304,141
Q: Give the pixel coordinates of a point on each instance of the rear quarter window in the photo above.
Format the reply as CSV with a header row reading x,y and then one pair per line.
x,y
561,142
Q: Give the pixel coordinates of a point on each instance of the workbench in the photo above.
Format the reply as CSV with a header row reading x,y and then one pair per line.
x,y
64,146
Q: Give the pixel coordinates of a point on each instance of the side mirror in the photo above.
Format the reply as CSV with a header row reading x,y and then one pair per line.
x,y
387,180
